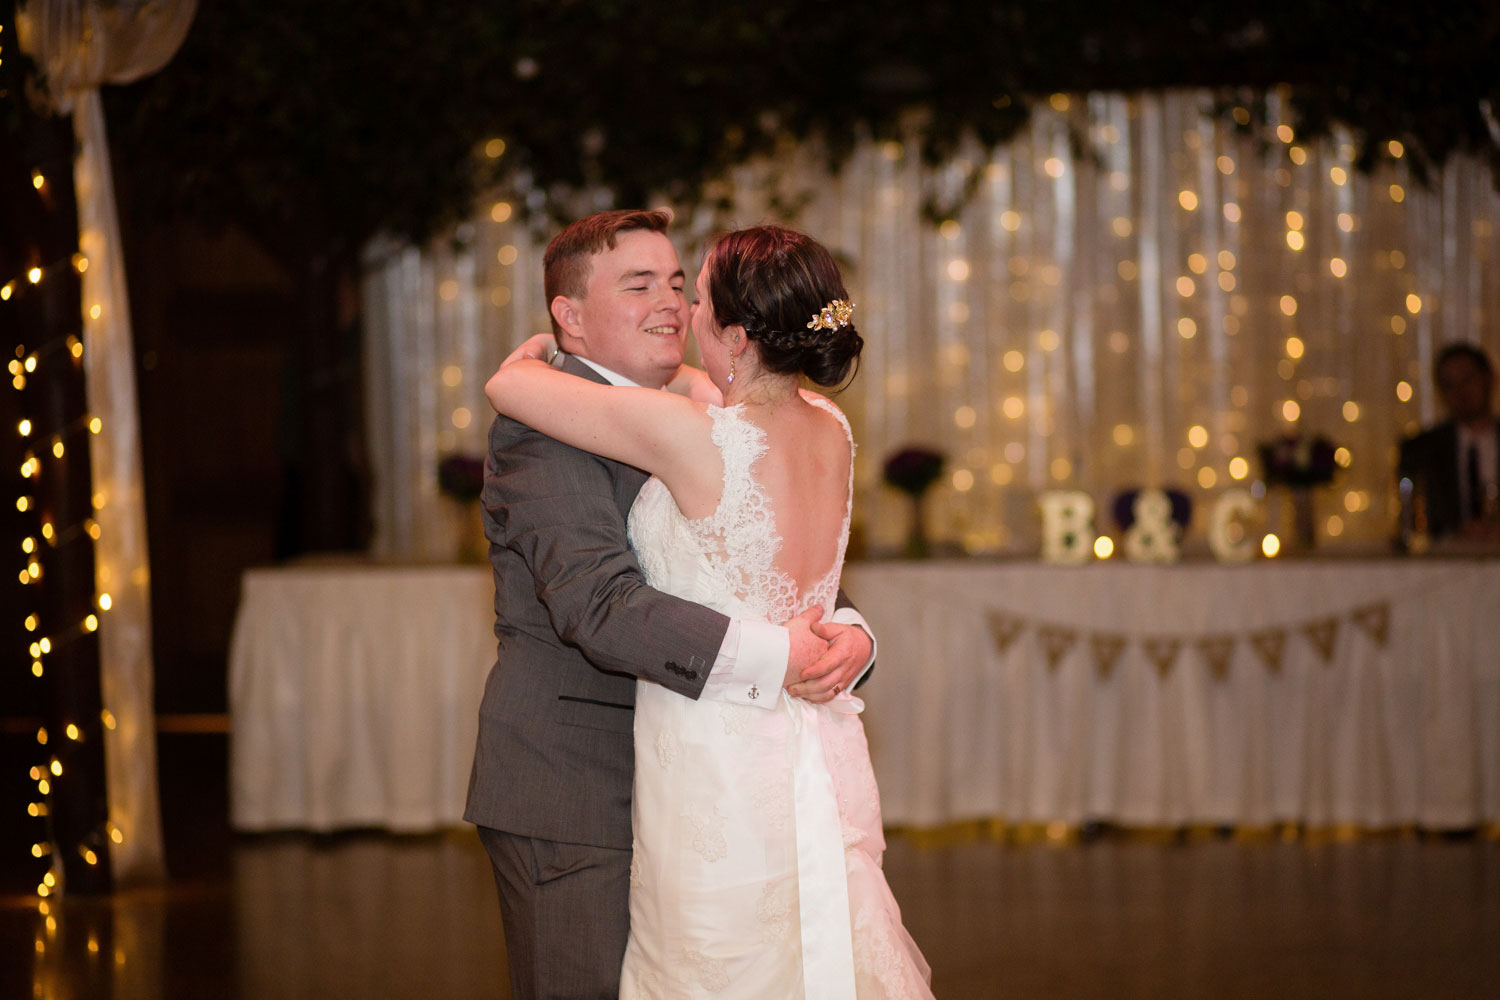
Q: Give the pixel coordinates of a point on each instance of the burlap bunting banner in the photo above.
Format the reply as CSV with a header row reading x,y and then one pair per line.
x,y
1004,629
1324,635
1216,650
1375,621
1269,644
1162,652
1107,647
1056,641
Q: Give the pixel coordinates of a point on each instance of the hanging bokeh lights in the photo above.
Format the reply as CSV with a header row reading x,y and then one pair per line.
x,y
42,457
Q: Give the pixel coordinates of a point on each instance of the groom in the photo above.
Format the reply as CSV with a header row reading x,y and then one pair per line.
x,y
576,624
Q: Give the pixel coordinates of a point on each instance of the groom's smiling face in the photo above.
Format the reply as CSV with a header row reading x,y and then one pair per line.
x,y
633,317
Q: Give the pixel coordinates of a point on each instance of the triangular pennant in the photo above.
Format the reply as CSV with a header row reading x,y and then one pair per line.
x,y
1216,650
1004,629
1056,641
1107,648
1162,651
1269,644
1323,634
1375,621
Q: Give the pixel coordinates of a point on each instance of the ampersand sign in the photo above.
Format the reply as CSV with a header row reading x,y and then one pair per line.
x,y
1153,536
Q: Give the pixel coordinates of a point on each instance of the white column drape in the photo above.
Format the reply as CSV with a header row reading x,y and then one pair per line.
x,y
80,46
1144,310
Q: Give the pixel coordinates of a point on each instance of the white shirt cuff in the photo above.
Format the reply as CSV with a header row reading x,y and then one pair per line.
x,y
851,616
750,666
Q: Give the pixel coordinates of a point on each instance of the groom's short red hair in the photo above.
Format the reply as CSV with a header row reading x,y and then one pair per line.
x,y
566,265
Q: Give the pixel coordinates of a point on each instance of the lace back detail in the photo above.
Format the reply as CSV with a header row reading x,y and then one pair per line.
x,y
826,592
740,539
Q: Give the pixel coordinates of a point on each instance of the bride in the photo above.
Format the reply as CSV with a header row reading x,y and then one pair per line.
x,y
756,868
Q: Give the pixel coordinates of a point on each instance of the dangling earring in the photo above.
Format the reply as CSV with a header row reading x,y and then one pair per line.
x,y
731,365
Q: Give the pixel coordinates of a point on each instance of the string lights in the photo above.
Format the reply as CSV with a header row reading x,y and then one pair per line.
x,y
43,642
1184,248
72,832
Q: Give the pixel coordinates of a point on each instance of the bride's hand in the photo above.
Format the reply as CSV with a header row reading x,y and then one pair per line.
x,y
695,384
541,347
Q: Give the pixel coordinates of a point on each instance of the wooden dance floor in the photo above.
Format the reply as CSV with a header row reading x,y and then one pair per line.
x,y
1114,916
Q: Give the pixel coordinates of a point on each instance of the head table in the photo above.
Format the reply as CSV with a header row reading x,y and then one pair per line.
x,y
1315,692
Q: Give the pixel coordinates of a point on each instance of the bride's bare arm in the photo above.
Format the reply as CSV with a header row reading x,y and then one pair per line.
x,y
646,428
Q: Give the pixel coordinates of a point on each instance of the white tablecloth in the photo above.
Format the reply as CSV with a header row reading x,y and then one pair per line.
x,y
354,693
1373,733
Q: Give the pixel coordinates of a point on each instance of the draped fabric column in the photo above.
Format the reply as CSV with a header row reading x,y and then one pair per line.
x,y
1139,292
80,46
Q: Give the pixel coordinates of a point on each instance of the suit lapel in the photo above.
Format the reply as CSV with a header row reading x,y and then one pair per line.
x,y
573,366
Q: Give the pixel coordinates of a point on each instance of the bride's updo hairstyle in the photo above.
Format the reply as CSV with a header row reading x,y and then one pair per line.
x,y
773,281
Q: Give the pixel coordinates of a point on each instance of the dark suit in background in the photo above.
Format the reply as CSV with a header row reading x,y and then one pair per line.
x,y
1431,461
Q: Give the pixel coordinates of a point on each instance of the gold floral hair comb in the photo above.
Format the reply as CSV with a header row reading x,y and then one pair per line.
x,y
834,316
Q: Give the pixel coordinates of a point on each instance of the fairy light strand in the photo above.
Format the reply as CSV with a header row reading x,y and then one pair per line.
x,y
22,283
41,446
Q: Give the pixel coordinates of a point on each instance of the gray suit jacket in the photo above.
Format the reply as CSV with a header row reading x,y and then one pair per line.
x,y
575,625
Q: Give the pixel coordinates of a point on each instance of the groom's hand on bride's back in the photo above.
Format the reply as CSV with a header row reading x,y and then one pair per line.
x,y
825,657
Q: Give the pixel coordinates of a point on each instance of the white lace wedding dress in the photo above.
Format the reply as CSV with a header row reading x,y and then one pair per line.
x,y
756,871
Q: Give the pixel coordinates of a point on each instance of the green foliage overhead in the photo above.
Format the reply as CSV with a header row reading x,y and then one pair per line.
x,y
318,124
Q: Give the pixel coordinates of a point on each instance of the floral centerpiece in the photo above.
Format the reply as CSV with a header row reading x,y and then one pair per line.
x,y
461,477
1299,463
913,470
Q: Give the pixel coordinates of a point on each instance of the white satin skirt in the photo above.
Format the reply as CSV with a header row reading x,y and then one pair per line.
x,y
758,843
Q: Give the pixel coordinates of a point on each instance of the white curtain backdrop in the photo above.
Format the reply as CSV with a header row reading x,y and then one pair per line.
x,y
80,46
1142,307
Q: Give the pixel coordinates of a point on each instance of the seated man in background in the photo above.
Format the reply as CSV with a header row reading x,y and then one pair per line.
x,y
1450,474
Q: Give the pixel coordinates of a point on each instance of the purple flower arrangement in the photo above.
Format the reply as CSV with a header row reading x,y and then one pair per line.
x,y
461,476
912,470
1295,460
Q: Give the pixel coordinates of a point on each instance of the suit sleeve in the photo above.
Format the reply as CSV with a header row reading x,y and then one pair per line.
x,y
556,508
1406,461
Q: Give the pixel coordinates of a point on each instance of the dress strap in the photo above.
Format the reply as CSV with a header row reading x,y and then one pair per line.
x,y
824,403
827,590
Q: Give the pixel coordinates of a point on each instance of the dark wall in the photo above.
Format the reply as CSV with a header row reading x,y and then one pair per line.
x,y
212,320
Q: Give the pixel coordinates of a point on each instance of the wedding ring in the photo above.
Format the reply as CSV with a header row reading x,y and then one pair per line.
x,y
837,688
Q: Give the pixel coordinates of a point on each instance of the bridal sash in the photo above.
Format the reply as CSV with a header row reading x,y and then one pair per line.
x,y
822,881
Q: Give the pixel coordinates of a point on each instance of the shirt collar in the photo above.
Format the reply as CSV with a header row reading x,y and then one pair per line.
x,y
613,378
